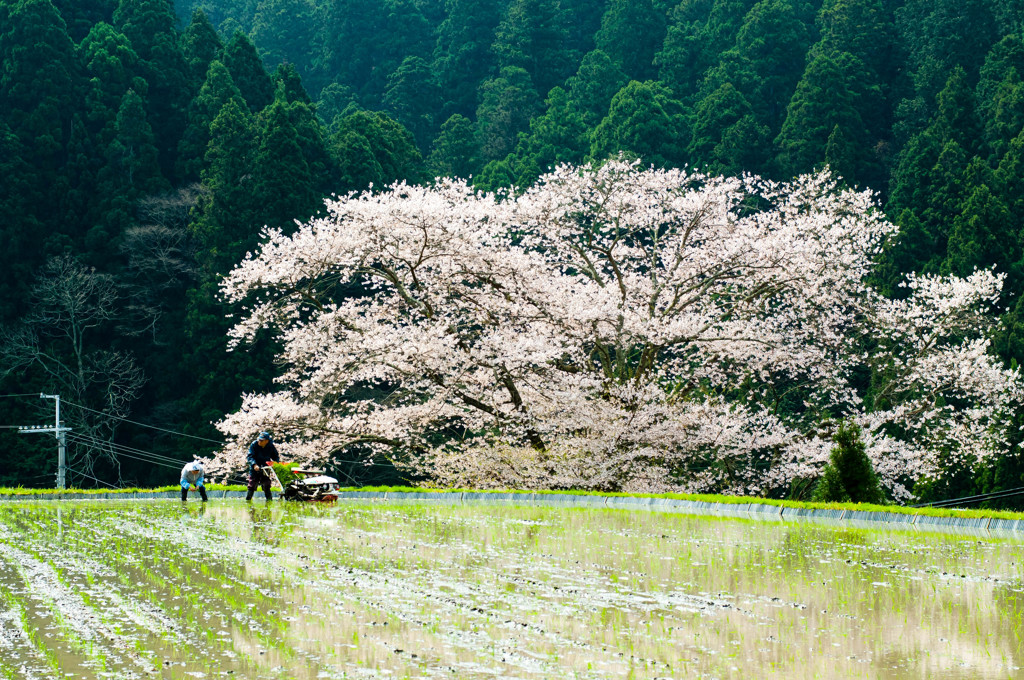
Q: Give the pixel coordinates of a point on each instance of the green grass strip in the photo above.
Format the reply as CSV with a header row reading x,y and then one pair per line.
x,y
703,498
712,498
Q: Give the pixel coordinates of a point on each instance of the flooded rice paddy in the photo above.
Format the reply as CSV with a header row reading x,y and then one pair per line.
x,y
162,590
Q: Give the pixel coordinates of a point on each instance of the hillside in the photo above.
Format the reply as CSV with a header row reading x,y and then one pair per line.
x,y
145,144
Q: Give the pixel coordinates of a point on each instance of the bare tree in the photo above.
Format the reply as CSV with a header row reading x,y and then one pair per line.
x,y
161,258
60,342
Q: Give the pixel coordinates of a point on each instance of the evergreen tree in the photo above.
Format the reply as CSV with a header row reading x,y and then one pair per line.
x,y
335,102
225,226
1006,54
131,170
848,476
496,175
133,153
864,29
454,152
370,147
1004,116
532,36
413,97
151,27
112,68
247,72
311,137
841,155
927,189
929,175
283,187
643,121
507,103
772,39
344,44
999,95
1010,181
941,35
957,119
81,15
405,34
595,83
38,90
980,236
836,90
463,56
358,166
583,19
216,91
20,228
200,46
289,83
726,135
364,41
283,30
632,32
699,32
558,136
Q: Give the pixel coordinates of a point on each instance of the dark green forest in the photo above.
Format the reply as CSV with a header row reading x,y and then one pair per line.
x,y
145,144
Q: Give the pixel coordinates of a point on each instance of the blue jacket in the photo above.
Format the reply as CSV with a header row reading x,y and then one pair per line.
x,y
261,455
191,474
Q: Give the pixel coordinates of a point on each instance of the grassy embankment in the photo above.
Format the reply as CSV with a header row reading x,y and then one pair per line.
x,y
706,498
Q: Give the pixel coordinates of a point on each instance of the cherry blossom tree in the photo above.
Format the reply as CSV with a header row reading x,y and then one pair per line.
x,y
615,327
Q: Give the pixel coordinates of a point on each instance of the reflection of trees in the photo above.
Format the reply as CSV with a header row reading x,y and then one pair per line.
x,y
263,529
60,344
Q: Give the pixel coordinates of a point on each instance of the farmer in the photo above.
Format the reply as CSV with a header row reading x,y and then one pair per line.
x,y
261,453
192,475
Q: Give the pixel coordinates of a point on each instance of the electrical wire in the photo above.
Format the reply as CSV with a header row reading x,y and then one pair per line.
x,y
135,422
121,450
980,498
79,472
14,396
97,442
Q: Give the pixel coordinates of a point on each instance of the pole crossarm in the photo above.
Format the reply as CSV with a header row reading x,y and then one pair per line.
x,y
41,429
58,431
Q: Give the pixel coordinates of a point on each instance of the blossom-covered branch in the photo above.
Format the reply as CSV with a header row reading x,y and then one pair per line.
x,y
616,328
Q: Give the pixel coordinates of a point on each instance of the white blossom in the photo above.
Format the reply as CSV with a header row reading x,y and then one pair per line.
x,y
616,328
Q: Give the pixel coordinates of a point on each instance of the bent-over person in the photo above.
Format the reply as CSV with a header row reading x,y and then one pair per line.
x,y
192,475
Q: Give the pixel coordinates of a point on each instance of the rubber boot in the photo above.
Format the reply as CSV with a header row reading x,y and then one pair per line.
x,y
269,494
248,494
184,495
202,493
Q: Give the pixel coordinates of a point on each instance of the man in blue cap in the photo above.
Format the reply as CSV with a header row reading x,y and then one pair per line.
x,y
262,453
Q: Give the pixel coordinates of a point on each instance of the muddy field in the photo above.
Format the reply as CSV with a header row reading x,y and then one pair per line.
x,y
156,589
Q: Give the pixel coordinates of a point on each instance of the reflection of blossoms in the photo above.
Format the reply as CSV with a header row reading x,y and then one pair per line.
x,y
616,328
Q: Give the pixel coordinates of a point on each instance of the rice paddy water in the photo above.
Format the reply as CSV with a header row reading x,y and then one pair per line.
x,y
156,589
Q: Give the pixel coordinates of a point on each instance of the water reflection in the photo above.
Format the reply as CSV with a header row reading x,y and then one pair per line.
x,y
484,591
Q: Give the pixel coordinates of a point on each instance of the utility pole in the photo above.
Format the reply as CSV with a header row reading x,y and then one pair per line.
x,y
59,432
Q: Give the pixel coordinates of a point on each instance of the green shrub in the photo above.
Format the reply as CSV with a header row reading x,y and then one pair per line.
x,y
849,476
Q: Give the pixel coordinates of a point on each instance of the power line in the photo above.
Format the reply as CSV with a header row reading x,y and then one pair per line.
x,y
122,451
14,396
79,472
134,422
151,459
980,498
96,441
